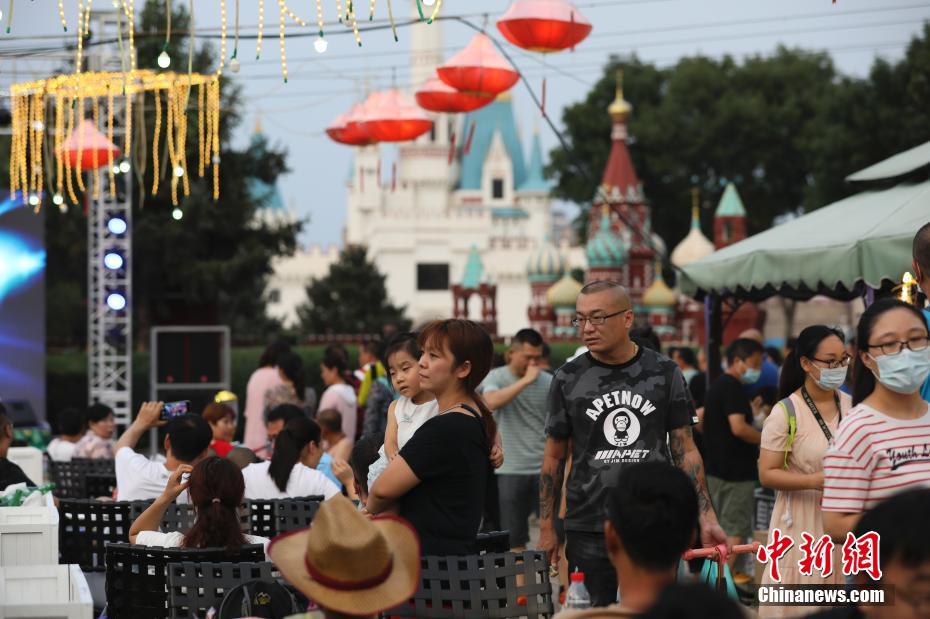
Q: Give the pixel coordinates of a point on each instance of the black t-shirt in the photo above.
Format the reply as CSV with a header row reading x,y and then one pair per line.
x,y
449,455
10,474
614,414
726,456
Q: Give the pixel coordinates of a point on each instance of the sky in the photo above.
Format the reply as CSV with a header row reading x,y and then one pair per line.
x,y
322,86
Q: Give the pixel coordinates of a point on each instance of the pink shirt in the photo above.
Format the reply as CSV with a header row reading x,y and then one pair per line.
x,y
341,397
874,456
262,379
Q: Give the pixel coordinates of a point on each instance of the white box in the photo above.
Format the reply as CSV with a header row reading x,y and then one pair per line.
x,y
50,591
29,535
30,460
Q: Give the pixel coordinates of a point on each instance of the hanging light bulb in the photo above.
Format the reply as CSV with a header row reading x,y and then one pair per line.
x,y
320,45
178,171
63,207
58,199
124,166
177,214
33,200
234,65
164,60
429,2
115,168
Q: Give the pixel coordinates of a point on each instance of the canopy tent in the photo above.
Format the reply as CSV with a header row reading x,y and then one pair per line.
x,y
839,250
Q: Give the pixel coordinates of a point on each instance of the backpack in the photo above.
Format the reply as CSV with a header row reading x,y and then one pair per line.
x,y
258,598
788,406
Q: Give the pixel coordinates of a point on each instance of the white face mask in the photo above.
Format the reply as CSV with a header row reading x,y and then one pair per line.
x,y
904,372
832,379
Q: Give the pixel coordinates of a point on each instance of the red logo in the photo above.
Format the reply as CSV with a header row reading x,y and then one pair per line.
x,y
860,554
816,555
773,552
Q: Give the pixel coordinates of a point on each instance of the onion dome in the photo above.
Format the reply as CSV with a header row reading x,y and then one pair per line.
x,y
606,249
659,295
620,108
564,292
546,264
694,246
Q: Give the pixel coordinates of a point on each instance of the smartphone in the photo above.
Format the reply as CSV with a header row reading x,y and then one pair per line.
x,y
170,410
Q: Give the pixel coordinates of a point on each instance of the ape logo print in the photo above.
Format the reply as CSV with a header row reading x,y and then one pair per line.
x,y
621,427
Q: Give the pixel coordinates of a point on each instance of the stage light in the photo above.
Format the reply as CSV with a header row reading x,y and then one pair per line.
x,y
124,166
320,45
117,225
164,60
116,301
177,214
113,261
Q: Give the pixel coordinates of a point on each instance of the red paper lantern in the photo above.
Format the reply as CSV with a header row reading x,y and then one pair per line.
x,y
437,96
479,68
391,117
86,144
544,25
349,128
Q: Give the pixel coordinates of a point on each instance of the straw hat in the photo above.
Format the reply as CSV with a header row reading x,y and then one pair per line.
x,y
349,563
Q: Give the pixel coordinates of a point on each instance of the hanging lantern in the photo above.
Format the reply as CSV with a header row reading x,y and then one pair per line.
x,y
392,117
544,25
437,96
479,68
349,128
87,145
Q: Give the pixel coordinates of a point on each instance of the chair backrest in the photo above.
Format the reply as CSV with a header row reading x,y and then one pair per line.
x,y
476,586
493,541
137,575
178,516
271,517
193,588
86,525
83,478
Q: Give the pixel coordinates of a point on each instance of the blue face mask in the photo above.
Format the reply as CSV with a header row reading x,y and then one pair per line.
x,y
832,379
750,376
904,372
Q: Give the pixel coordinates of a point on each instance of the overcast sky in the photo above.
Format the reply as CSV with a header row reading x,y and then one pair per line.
x,y
322,86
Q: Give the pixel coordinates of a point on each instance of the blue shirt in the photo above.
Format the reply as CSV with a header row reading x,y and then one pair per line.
x,y
768,378
925,392
326,467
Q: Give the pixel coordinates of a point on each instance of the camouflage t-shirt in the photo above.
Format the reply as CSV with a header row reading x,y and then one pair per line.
x,y
613,414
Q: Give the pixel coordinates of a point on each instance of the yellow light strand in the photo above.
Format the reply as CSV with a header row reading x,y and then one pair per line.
x,y
339,10
24,147
293,15
40,137
371,10
281,38
172,155
319,16
59,139
87,18
95,110
183,98
358,38
61,15
69,103
216,140
111,174
14,159
156,169
80,35
130,12
435,12
201,156
31,146
391,20
219,70
80,148
261,27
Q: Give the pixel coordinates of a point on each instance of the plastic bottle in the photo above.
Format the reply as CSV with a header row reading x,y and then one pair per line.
x,y
577,596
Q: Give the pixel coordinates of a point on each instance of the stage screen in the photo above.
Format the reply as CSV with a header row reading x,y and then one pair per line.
x,y
22,306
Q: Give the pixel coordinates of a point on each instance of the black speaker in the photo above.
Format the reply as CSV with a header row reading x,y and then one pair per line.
x,y
189,357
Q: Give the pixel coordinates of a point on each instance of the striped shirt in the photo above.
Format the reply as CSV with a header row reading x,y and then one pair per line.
x,y
874,456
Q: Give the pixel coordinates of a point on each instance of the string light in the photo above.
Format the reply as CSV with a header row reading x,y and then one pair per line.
x,y
320,44
111,175
80,34
391,19
164,60
61,15
435,10
78,172
282,8
177,214
261,27
371,10
219,71
155,136
339,10
351,12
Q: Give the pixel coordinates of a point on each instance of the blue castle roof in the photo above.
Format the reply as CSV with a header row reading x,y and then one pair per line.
x,y
265,195
498,116
535,177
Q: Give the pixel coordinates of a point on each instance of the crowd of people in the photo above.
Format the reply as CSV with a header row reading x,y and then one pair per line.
x,y
625,456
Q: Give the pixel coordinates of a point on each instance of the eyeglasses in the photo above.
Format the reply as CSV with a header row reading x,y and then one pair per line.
x,y
841,363
916,344
579,321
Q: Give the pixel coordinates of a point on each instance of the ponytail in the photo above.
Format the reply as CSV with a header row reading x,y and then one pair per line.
x,y
490,425
792,375
216,490
287,447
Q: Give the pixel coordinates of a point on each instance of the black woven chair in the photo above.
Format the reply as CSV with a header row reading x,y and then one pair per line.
x,y
137,575
493,541
478,586
178,516
274,516
86,525
82,478
194,588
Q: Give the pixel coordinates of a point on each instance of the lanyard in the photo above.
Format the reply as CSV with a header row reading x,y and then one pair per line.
x,y
817,415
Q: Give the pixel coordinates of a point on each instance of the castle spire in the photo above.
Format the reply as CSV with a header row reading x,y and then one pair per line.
x,y
620,109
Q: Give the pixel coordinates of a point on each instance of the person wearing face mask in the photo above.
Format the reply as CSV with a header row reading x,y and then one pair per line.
x,y
794,440
922,274
731,443
883,444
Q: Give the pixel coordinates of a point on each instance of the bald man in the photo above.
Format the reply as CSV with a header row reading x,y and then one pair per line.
x,y
770,371
614,405
922,273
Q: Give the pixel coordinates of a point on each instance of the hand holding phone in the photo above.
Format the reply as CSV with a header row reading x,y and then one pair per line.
x,y
170,410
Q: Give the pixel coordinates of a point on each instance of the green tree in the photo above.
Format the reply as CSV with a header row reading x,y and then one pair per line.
x,y
351,298
212,266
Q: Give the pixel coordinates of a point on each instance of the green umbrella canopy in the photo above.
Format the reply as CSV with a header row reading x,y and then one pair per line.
x,y
835,250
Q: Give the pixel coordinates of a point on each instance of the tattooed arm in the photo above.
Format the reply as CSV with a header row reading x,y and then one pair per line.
x,y
550,488
686,457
